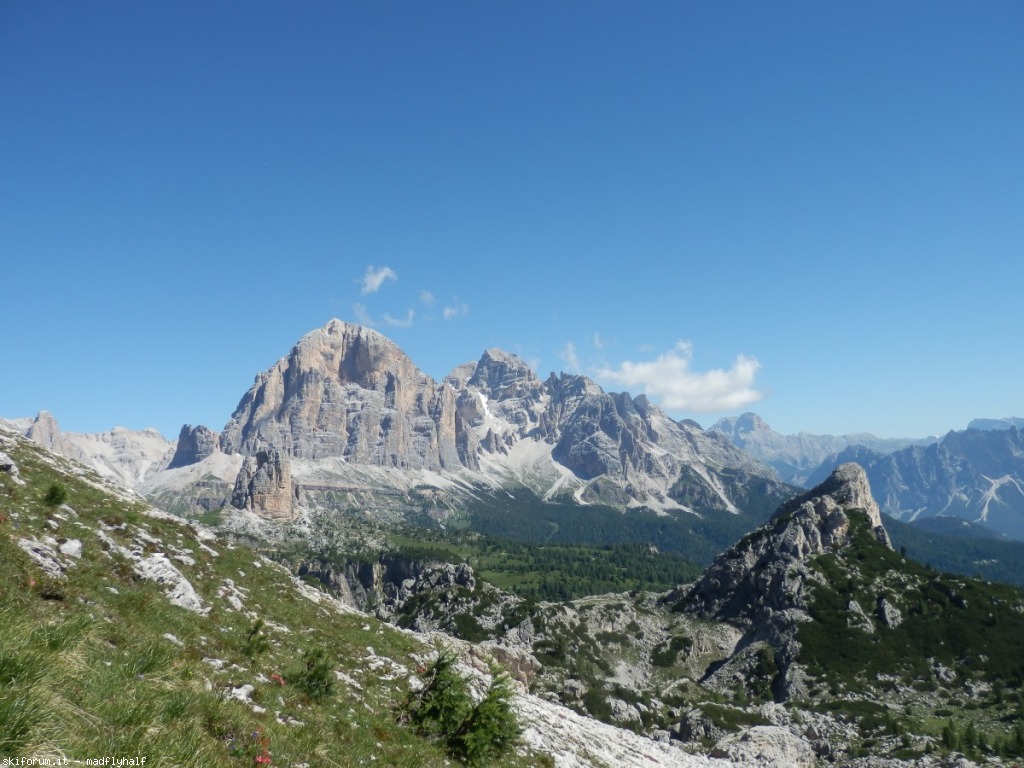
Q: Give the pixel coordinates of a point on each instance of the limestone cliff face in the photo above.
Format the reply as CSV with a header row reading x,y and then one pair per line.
x,y
347,391
194,445
264,485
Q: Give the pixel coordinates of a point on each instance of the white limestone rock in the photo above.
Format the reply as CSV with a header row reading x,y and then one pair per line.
x,y
179,590
43,555
72,548
767,746
8,466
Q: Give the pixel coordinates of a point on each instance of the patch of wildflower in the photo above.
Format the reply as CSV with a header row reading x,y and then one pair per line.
x,y
255,747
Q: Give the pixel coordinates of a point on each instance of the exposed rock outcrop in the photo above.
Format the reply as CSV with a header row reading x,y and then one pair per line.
x,y
762,583
768,746
347,391
347,397
194,445
8,466
264,485
387,584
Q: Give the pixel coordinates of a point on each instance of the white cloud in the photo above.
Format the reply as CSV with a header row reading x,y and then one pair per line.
x,y
569,357
426,297
375,277
362,316
597,342
669,380
456,309
400,322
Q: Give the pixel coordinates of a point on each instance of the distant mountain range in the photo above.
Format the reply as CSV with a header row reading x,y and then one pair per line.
x,y
347,421
996,424
974,475
124,456
796,457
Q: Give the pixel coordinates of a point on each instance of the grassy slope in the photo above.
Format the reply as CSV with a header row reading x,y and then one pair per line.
x,y
86,671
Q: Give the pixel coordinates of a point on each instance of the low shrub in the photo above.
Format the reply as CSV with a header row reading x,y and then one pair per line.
x,y
443,710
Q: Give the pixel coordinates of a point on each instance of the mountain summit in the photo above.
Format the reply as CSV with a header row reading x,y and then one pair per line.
x,y
347,391
763,584
765,572
347,419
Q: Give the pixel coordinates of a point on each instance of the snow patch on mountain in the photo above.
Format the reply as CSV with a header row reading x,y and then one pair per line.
x,y
991,494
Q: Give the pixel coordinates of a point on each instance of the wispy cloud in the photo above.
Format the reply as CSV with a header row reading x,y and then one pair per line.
x,y
455,309
669,379
400,322
375,277
427,298
597,342
362,316
570,358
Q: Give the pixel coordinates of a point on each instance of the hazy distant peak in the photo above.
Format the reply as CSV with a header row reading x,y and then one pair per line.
x,y
994,424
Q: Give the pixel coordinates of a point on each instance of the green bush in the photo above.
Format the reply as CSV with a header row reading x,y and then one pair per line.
x,y
491,728
443,710
315,677
56,494
440,706
256,641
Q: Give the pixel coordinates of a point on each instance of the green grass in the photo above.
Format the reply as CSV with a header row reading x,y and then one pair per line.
x,y
85,668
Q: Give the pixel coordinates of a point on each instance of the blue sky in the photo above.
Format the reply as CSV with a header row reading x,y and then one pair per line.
x,y
810,210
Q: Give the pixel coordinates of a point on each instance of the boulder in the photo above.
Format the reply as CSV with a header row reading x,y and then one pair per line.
x,y
766,746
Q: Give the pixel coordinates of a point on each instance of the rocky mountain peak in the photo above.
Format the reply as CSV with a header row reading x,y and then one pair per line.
x,y
347,397
764,583
352,353
460,375
748,422
502,375
765,572
347,391
45,431
847,487
571,385
194,445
